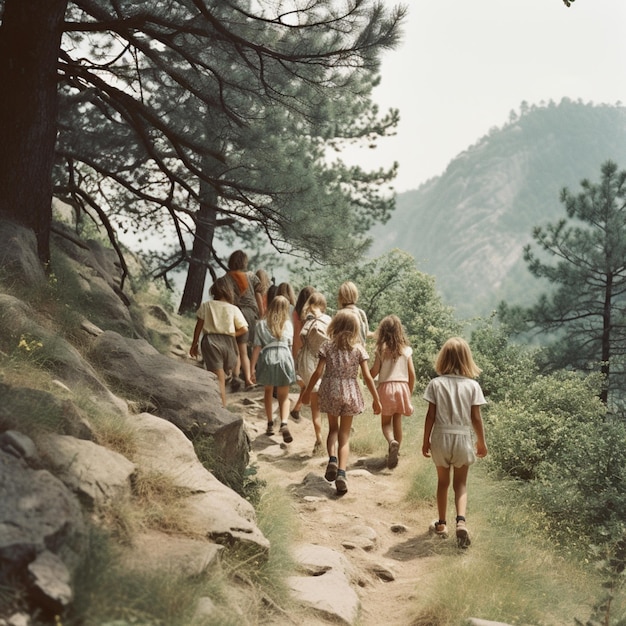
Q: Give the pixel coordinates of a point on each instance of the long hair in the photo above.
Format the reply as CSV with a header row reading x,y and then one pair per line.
x,y
238,261
344,330
316,300
286,290
277,315
455,357
222,289
303,296
390,338
348,294
264,280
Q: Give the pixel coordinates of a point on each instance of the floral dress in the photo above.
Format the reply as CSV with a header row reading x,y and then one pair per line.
x,y
340,392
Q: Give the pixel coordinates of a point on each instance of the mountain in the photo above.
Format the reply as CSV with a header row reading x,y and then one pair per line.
x,y
468,227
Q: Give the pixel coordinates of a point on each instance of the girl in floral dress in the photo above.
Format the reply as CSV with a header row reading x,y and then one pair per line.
x,y
340,397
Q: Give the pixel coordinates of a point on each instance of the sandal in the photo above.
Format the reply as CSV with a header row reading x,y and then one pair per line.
x,y
438,527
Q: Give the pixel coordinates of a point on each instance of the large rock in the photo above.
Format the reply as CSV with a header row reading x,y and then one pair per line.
x,y
96,474
18,254
212,509
181,393
41,528
18,323
325,584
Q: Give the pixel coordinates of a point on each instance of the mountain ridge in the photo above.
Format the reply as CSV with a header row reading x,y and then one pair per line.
x,y
468,227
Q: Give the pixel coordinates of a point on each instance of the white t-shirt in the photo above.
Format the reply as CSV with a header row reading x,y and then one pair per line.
x,y
395,371
454,397
221,318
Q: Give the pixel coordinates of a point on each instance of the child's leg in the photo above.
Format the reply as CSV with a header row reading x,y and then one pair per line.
x,y
333,435
443,484
268,403
316,417
397,427
343,442
221,379
245,362
459,484
282,395
385,422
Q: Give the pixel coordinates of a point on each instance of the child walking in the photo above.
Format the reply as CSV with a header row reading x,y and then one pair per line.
x,y
340,397
454,401
396,378
220,322
312,335
272,362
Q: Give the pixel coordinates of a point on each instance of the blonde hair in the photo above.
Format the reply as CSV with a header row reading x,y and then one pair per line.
x,y
316,300
390,337
455,357
277,315
344,330
348,294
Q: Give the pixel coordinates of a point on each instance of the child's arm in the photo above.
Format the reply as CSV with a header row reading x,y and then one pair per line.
x,y
369,381
411,375
477,423
253,359
193,351
376,367
428,428
315,376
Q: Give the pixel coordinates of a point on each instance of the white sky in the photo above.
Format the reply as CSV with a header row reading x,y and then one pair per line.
x,y
464,65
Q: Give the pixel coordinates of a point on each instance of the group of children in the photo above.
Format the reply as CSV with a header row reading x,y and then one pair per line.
x,y
297,341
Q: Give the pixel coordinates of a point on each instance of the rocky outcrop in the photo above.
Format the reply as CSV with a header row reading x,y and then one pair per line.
x,y
18,254
179,392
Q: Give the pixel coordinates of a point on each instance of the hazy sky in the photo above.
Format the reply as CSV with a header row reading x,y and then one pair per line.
x,y
465,64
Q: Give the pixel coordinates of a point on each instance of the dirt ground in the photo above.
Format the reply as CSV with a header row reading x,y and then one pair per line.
x,y
392,568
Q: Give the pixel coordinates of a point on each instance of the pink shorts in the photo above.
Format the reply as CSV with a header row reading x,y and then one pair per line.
x,y
395,397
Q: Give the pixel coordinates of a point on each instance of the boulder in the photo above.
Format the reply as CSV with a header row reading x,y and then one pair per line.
x,y
38,514
325,585
18,254
213,509
18,322
181,393
96,474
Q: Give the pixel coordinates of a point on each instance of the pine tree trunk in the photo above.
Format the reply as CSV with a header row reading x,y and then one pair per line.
x,y
30,38
201,253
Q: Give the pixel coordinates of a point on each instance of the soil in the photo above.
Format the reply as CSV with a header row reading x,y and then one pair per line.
x,y
402,549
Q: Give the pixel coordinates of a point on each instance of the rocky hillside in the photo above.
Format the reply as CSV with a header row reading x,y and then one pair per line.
x,y
468,227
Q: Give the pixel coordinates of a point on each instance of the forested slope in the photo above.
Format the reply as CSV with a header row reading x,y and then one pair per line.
x,y
468,227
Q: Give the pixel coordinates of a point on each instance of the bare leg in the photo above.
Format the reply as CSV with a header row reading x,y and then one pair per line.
x,y
333,435
316,416
385,421
221,379
459,484
268,403
397,427
245,362
282,394
343,449
443,484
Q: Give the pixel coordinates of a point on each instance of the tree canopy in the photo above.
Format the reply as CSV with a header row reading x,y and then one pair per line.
x,y
190,113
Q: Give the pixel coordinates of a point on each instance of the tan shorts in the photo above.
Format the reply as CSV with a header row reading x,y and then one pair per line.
x,y
219,352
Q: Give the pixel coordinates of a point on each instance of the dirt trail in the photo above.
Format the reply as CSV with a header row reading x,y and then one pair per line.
x,y
375,500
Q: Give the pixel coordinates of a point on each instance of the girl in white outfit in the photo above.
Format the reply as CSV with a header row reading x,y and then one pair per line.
x,y
454,401
393,364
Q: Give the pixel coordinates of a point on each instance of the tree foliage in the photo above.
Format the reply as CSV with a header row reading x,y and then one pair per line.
x,y
584,257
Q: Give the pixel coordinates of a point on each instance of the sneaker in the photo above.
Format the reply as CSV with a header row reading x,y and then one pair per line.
x,y
392,456
462,534
295,415
270,429
284,431
331,471
317,448
439,528
341,484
